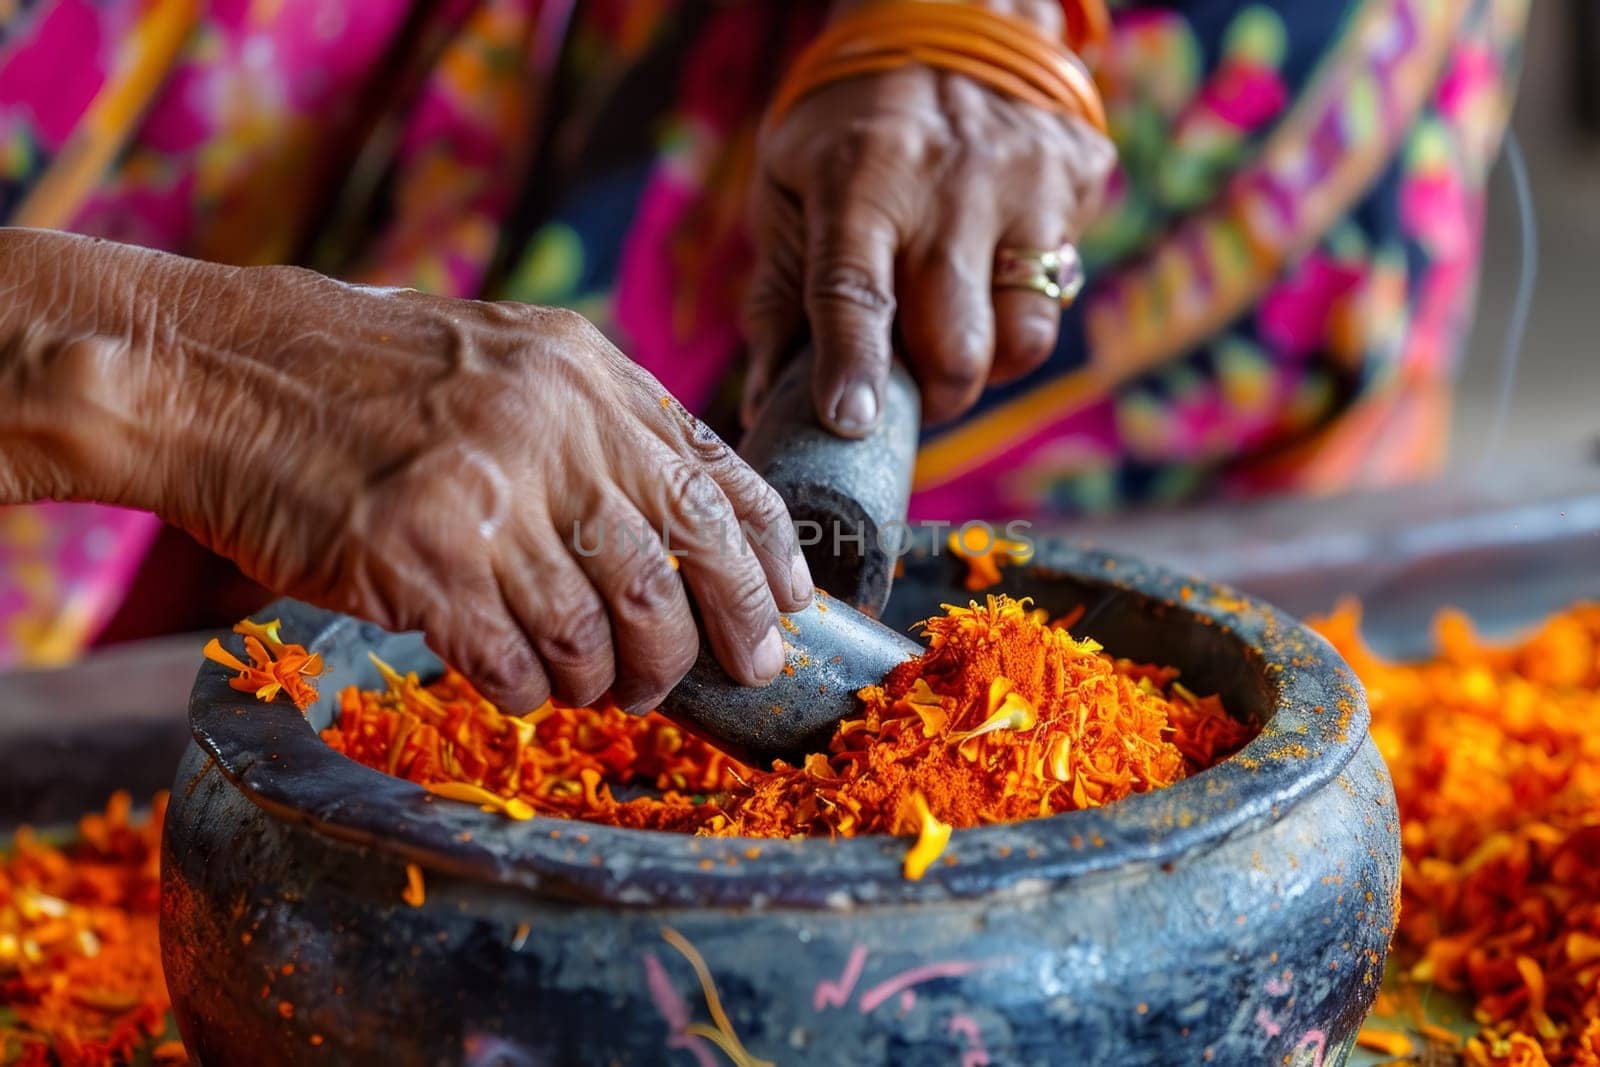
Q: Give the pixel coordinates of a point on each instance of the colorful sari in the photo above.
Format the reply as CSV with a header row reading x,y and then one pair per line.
x,y
1280,284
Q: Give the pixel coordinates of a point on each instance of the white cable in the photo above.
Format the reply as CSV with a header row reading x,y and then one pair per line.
x,y
1522,302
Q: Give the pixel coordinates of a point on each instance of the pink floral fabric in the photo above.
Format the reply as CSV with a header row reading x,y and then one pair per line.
x,y
1259,341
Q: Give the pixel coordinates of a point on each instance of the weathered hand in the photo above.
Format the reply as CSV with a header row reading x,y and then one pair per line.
x,y
878,205
423,463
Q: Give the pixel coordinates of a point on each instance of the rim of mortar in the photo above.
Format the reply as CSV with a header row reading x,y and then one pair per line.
x,y
1319,719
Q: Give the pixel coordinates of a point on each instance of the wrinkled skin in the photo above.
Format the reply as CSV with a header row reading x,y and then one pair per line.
x,y
448,465
417,461
878,205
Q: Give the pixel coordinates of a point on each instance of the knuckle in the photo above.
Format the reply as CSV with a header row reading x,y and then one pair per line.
x,y
1051,155
91,369
649,587
768,508
84,361
1100,157
901,143
946,261
501,416
749,597
579,635
566,323
874,144
852,285
504,665
708,447
762,314
849,146
509,313
568,336
765,527
691,491
979,153
772,294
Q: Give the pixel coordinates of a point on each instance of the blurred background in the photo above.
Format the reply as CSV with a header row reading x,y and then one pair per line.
x,y
1511,530
1510,533
1525,425
1551,417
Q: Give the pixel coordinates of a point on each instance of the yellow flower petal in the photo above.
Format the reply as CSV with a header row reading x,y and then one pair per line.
x,y
1060,760
1010,710
512,807
932,837
925,702
265,632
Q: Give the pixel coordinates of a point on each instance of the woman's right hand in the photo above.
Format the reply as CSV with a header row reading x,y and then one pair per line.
x,y
495,475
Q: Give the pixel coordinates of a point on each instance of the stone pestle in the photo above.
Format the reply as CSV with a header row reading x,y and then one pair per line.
x,y
848,500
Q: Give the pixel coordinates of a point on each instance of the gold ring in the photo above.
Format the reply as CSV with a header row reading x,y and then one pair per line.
x,y
1057,274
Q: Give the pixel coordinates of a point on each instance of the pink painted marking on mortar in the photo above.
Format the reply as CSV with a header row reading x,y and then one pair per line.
x,y
874,997
1318,1042
974,1055
674,1011
832,994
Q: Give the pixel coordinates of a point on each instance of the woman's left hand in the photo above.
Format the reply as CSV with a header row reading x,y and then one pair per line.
x,y
879,205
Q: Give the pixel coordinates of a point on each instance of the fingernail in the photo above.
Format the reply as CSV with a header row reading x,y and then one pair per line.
x,y
856,408
768,658
1037,340
800,585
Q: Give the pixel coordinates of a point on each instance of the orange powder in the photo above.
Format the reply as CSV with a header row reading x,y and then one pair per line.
x,y
1006,717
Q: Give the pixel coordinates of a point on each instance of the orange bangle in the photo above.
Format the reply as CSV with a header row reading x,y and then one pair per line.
x,y
1088,26
1033,59
854,66
841,67
913,15
1005,52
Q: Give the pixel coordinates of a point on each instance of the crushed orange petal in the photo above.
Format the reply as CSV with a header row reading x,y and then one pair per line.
x,y
80,963
984,552
415,893
274,666
1496,766
1007,716
1388,1042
